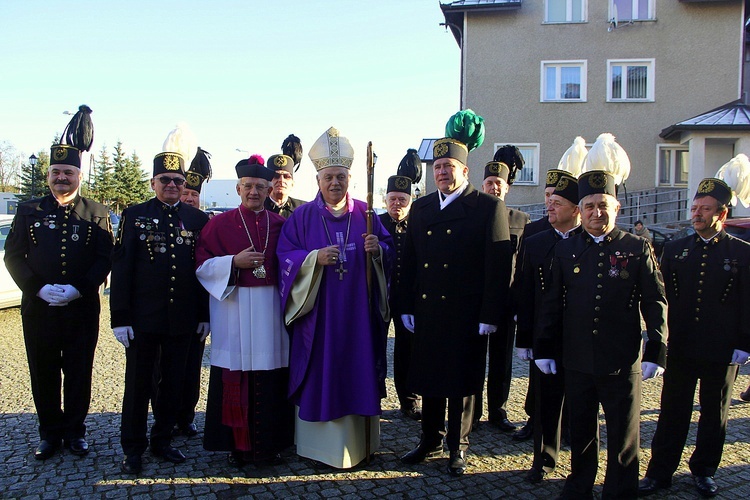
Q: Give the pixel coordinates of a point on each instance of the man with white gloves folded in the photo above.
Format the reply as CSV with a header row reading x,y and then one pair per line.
x,y
58,252
602,280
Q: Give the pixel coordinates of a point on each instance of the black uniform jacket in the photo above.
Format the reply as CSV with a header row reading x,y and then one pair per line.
x,y
593,302
533,277
708,290
285,210
456,271
154,287
49,244
398,233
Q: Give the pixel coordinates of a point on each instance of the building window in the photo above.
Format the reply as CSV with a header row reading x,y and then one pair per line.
x,y
674,164
630,80
529,174
565,11
563,81
631,10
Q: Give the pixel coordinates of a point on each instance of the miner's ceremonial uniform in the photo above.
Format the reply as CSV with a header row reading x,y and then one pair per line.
x,y
49,243
155,290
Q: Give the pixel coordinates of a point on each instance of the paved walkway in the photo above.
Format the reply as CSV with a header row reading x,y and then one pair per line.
x,y
497,463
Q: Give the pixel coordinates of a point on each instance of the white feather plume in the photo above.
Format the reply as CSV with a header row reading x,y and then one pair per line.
x,y
736,173
181,140
573,158
609,156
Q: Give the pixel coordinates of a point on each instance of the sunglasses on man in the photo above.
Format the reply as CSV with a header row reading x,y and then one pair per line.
x,y
178,181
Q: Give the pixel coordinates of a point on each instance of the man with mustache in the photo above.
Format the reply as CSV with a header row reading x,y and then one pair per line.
x,y
708,288
58,252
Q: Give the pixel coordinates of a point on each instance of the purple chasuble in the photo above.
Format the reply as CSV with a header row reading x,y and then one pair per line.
x,y
337,358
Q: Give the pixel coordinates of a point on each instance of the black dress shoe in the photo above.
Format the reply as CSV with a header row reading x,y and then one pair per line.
x,y
77,446
457,463
422,451
535,475
46,449
745,396
649,485
131,464
706,485
169,453
524,433
412,413
502,423
189,430
236,459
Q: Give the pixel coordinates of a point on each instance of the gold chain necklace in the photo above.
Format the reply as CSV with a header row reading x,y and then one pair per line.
x,y
260,271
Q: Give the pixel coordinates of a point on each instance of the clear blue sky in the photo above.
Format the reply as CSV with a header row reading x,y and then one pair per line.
x,y
241,74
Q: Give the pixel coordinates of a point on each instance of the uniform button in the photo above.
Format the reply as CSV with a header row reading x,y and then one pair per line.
x,y
595,332
445,266
173,256
64,240
700,291
171,301
64,232
448,231
601,254
598,297
171,289
697,320
705,255
700,282
398,266
698,300
697,309
599,275
65,224
599,285
170,224
64,273
62,255
424,295
596,320
702,273
429,233
597,308
442,297
426,265
703,264
601,264
64,263
172,278
63,247
174,267
171,245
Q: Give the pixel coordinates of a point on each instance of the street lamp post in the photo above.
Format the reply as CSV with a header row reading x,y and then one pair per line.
x,y
417,192
33,161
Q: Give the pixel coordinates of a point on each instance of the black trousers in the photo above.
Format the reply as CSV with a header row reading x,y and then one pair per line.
x,y
620,397
714,396
191,389
499,372
460,415
401,356
549,393
147,349
61,341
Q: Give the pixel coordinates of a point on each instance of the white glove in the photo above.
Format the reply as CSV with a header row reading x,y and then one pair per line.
x,y
408,321
69,293
651,370
524,354
51,294
547,366
203,330
740,357
485,329
123,333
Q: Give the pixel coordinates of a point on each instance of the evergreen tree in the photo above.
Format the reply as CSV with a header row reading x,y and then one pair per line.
x,y
131,184
34,180
104,188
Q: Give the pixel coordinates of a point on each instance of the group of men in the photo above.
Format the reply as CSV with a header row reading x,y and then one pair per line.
x,y
297,297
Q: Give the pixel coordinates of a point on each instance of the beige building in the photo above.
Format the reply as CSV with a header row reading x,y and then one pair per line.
x,y
651,72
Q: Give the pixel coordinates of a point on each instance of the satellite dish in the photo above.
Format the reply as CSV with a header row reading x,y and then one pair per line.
x,y
615,19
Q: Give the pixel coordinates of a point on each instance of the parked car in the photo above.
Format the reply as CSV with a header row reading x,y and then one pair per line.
x,y
739,228
10,294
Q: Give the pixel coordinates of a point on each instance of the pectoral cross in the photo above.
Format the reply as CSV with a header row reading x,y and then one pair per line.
x,y
341,271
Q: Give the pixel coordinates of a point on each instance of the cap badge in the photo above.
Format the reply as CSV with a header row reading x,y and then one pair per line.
x,y
402,183
192,179
706,186
562,184
280,161
597,181
60,154
171,162
440,150
552,177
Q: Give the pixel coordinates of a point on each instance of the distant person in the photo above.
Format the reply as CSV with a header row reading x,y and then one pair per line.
x,y
157,308
708,288
396,220
247,413
283,166
640,230
58,253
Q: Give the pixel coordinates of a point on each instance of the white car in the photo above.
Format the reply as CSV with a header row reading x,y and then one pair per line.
x,y
10,294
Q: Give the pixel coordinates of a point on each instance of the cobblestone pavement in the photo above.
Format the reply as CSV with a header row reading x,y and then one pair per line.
x,y
497,463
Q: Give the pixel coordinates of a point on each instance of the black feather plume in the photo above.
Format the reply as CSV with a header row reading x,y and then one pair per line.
x,y
411,166
511,156
79,132
292,147
201,164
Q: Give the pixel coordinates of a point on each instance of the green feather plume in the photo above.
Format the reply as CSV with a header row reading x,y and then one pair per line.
x,y
467,127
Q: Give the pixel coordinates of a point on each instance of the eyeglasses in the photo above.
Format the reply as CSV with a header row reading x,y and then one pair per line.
x,y
178,181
